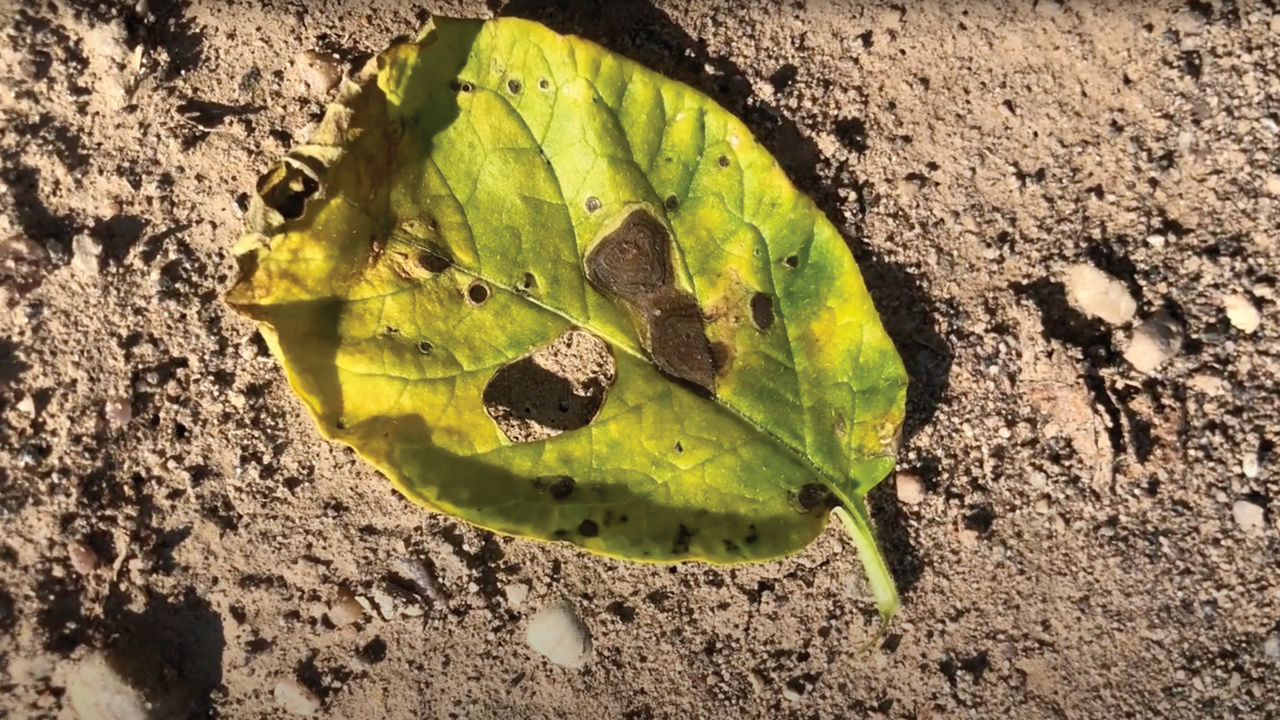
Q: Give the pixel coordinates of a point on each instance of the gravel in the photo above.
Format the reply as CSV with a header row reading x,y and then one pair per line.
x,y
557,634
1155,341
1100,295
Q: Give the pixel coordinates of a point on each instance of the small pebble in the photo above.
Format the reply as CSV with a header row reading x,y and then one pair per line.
x,y
83,559
20,247
790,694
1155,240
86,254
344,609
1100,295
517,593
320,72
910,488
1249,464
96,691
558,634
1272,184
1249,516
118,411
1271,646
1242,313
1154,342
295,698
26,406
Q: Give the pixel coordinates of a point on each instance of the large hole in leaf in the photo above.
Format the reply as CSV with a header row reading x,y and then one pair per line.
x,y
557,388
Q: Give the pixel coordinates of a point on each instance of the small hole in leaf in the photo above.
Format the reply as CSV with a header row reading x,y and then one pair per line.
x,y
679,448
588,528
593,204
724,161
791,261
341,424
466,86
513,86
432,262
672,202
388,330
528,282
477,293
425,347
543,84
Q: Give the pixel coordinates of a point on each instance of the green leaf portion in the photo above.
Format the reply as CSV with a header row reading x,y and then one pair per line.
x,y
485,161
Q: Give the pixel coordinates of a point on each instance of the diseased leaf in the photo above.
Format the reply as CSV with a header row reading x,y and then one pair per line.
x,y
553,293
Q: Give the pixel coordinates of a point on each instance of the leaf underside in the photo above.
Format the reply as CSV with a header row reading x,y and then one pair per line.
x,y
555,294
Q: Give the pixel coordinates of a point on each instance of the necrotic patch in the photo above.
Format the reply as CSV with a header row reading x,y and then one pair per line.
x,y
557,388
762,311
632,264
634,260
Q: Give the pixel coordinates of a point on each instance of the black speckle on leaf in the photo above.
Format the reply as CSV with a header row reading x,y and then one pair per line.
x,y
543,84
477,293
731,546
723,160
425,347
680,545
433,262
588,528
762,311
752,535
513,86
679,447
671,203
592,204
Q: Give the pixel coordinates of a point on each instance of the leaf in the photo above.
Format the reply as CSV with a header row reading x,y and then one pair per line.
x,y
555,294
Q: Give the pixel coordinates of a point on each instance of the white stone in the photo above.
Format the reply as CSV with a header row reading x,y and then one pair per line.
x,y
1249,463
1154,342
910,488
517,593
26,406
85,253
295,698
1272,184
558,634
1249,516
1098,294
1271,646
1242,313
97,692
118,411
344,609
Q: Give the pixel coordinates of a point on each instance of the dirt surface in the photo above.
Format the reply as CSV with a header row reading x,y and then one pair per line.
x,y
1074,539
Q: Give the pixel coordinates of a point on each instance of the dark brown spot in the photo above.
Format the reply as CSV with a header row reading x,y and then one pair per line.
x,y
433,262
376,246
671,203
588,528
721,356
791,261
723,160
477,293
592,204
543,84
679,448
762,311
752,535
678,340
513,86
813,496
634,260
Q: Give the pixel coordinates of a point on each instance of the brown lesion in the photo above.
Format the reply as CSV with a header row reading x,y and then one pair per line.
x,y
632,264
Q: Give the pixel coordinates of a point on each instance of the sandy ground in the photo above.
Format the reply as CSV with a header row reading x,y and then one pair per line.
x,y
1074,539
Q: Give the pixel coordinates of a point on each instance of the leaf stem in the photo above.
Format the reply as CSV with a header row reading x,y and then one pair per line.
x,y
858,524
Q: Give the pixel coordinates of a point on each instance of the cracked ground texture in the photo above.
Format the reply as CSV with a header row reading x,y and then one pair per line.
x,y
1079,542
